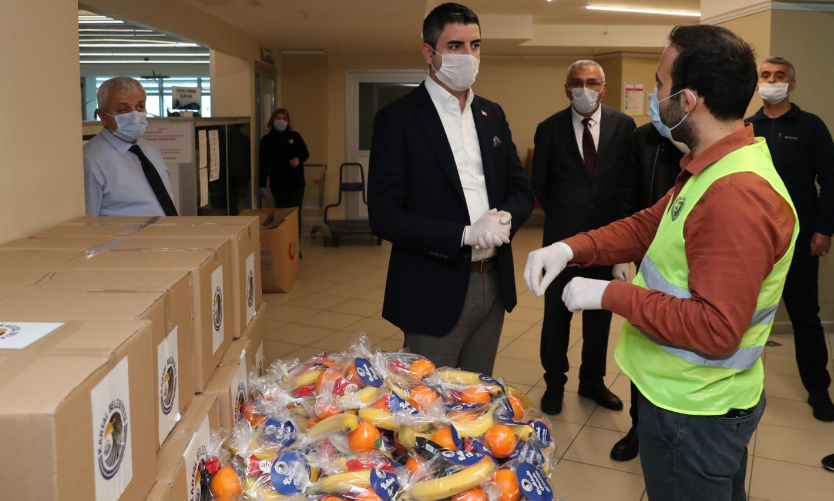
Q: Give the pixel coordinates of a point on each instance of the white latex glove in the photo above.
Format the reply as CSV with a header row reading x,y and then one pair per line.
x,y
584,294
488,231
552,260
622,272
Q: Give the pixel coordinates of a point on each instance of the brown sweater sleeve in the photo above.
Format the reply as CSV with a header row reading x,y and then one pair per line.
x,y
734,236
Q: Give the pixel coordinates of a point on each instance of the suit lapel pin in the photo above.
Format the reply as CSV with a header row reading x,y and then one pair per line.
x,y
483,113
495,141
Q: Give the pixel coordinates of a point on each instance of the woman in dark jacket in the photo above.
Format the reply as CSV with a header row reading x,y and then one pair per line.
x,y
282,156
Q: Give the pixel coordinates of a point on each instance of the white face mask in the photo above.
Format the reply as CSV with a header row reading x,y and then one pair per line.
x,y
584,100
773,93
458,71
280,125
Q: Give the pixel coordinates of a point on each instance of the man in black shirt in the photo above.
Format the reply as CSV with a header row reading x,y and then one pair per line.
x,y
803,154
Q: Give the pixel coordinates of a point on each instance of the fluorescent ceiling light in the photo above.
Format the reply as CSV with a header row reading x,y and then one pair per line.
x,y
159,42
142,54
135,45
645,11
144,62
121,30
109,21
123,35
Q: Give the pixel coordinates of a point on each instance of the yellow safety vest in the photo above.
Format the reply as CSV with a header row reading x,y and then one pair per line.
x,y
681,379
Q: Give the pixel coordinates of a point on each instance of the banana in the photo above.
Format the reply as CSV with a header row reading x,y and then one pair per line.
x,y
380,418
340,422
445,487
342,483
407,437
477,427
365,395
466,378
308,377
522,431
525,400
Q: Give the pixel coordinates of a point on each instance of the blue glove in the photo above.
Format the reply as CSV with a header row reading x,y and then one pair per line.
x,y
262,193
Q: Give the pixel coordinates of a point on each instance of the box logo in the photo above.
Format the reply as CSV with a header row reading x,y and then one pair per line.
x,y
168,386
291,251
240,406
8,331
217,308
112,439
250,289
200,490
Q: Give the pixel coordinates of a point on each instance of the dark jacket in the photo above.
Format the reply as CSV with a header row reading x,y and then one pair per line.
x,y
573,200
650,170
803,153
416,202
276,151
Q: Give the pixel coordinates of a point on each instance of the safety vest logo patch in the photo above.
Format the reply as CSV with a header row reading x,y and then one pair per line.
x,y
678,207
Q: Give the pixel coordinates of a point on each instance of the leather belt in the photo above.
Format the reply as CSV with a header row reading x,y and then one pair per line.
x,y
483,266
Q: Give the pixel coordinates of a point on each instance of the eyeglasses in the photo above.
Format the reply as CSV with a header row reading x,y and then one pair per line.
x,y
591,84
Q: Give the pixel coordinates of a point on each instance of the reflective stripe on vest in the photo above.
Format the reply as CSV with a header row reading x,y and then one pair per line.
x,y
741,358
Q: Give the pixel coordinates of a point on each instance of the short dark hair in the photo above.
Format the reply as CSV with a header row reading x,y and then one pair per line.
x,y
718,65
447,13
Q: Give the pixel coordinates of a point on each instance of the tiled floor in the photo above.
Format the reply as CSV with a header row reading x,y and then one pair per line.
x,y
340,293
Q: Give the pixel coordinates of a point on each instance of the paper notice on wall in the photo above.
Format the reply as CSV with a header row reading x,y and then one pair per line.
x,y
195,458
218,301
112,429
634,102
167,378
19,335
214,156
202,146
204,188
250,288
173,139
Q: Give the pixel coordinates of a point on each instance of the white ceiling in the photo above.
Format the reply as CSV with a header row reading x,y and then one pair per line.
x,y
543,28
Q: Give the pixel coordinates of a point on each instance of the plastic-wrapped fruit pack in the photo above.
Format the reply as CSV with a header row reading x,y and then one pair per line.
x,y
385,426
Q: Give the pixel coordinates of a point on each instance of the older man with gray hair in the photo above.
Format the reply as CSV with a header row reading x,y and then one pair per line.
x,y
124,175
577,163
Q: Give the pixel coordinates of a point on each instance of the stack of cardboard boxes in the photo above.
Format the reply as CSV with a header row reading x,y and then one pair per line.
x,y
124,343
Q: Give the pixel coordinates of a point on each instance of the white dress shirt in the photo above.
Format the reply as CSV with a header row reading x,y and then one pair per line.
x,y
463,138
593,125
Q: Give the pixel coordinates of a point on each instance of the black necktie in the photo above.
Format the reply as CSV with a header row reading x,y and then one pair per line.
x,y
589,151
155,181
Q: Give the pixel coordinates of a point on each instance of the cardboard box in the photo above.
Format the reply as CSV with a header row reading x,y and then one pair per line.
x,y
79,426
209,274
245,241
75,243
220,245
101,229
178,462
161,492
173,361
250,345
51,304
230,384
16,259
280,260
20,278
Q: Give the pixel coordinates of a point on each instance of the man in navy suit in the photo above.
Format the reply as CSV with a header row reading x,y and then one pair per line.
x,y
447,188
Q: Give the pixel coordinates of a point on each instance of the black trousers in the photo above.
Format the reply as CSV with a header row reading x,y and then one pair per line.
x,y
289,195
801,296
556,333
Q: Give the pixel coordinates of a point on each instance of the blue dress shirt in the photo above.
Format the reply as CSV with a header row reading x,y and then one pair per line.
x,y
114,183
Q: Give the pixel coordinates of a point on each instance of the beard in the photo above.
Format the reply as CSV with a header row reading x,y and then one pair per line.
x,y
673,115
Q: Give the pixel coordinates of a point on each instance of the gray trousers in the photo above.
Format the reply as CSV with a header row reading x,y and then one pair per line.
x,y
472,344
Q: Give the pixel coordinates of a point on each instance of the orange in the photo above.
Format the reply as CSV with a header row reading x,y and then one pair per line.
x,y
422,397
414,464
383,402
501,440
443,438
351,376
475,395
332,498
252,415
368,495
476,494
518,407
421,368
326,410
312,421
329,377
508,483
225,486
464,415
364,438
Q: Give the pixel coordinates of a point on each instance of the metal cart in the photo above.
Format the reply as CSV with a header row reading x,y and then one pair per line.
x,y
312,213
336,228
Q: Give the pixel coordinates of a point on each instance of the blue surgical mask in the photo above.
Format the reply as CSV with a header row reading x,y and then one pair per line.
x,y
130,126
654,112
